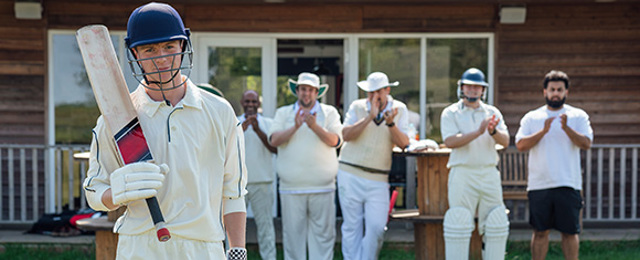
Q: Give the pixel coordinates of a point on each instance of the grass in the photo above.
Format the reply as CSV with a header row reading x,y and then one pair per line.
x,y
589,250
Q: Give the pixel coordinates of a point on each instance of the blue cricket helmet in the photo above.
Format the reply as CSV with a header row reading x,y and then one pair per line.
x,y
472,76
153,23
156,23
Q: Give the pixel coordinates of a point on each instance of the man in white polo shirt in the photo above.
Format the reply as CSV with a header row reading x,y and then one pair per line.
x,y
372,126
472,129
307,134
259,171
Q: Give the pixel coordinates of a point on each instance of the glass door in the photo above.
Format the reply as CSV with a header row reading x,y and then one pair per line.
x,y
236,64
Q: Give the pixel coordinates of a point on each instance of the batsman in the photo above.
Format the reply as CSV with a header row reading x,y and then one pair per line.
x,y
198,174
472,129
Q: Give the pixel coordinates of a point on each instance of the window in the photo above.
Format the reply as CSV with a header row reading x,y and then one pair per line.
x,y
72,105
427,88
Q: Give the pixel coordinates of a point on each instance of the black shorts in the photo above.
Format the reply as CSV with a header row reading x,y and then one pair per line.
x,y
557,208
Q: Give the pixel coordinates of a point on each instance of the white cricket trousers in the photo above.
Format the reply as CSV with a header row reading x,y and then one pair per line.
x,y
308,220
365,206
475,188
146,246
260,198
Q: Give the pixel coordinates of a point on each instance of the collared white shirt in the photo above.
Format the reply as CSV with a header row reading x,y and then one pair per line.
x,y
313,111
460,119
201,142
260,163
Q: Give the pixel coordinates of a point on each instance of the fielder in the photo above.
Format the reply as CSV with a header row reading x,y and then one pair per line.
x,y
307,134
372,127
554,134
471,129
193,132
260,171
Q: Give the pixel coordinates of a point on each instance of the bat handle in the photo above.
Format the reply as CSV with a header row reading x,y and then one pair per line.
x,y
158,220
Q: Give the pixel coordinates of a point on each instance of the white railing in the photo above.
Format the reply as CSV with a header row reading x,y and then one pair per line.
x,y
610,183
37,179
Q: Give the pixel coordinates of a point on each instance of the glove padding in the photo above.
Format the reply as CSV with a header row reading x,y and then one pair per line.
x,y
237,253
136,181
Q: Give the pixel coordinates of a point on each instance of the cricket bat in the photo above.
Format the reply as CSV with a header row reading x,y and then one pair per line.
x,y
112,96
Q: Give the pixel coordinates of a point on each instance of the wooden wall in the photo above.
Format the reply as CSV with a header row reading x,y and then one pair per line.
x,y
22,78
596,44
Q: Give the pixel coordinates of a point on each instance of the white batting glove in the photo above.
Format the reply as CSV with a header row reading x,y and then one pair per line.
x,y
237,253
136,181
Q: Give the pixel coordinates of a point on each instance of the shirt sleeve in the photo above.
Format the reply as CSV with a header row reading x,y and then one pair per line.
x,y
278,122
402,121
332,123
351,118
448,125
524,129
102,161
584,125
501,125
235,170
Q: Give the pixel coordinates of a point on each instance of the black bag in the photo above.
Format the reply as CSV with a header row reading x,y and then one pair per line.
x,y
54,224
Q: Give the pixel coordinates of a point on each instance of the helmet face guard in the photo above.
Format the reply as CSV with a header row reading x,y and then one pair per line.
x,y
156,23
472,76
142,76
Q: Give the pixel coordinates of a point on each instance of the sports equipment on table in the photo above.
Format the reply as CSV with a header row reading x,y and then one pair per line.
x,y
112,96
496,232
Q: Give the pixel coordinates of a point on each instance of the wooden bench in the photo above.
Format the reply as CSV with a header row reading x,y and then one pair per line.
x,y
513,171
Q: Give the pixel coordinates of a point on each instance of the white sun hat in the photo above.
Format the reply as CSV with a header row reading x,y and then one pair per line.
x,y
375,81
306,78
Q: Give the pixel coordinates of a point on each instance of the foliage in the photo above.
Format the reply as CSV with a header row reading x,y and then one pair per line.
x,y
74,123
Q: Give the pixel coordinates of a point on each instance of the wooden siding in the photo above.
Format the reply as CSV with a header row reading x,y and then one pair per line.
x,y
22,78
596,44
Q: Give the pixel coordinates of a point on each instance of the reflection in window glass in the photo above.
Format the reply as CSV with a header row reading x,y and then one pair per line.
x,y
447,59
400,60
75,107
234,70
76,111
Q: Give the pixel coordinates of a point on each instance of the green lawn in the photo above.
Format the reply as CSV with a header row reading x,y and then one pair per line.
x,y
589,250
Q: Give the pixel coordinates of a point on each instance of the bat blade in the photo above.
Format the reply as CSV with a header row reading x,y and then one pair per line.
x,y
112,96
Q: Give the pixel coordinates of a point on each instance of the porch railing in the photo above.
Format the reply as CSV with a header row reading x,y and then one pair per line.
x,y
37,179
609,177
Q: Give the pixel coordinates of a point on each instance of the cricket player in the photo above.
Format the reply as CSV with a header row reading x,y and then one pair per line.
x,y
471,129
372,127
193,135
307,134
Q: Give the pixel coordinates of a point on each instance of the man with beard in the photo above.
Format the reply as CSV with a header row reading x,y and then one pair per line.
x,y
365,162
554,134
307,134
259,171
472,129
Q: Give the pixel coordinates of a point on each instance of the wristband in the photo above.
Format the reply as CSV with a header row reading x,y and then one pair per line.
x,y
494,132
237,253
392,124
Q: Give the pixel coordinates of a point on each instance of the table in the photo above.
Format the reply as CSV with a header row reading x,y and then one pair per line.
x,y
432,201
